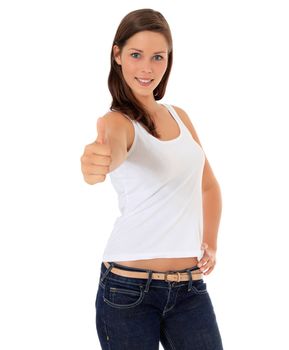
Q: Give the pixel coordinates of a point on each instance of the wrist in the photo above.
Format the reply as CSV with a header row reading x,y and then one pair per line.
x,y
209,245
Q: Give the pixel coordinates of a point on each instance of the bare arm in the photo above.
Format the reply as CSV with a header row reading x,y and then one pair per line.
x,y
117,137
212,204
212,210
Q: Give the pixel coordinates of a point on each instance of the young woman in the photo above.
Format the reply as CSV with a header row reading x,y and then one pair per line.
x,y
151,287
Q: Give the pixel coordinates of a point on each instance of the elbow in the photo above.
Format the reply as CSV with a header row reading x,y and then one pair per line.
x,y
212,186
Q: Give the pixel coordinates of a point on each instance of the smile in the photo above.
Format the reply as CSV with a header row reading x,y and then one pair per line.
x,y
144,82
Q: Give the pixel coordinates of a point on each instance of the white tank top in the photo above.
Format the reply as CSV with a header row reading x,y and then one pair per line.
x,y
159,188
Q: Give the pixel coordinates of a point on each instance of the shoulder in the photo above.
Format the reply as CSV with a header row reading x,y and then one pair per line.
x,y
119,123
115,117
188,123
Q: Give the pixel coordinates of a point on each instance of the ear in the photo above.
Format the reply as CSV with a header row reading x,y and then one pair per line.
x,y
116,54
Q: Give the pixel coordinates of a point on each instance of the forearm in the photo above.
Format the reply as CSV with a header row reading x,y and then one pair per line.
x,y
212,209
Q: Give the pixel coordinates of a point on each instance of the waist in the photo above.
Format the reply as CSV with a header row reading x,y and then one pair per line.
x,y
161,264
189,274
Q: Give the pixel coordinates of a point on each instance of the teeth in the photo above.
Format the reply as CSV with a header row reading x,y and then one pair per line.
x,y
144,81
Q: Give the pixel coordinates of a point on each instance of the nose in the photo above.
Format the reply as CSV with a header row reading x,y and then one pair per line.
x,y
146,68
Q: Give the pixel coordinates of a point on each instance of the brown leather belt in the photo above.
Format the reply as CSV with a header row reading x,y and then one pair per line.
x,y
167,276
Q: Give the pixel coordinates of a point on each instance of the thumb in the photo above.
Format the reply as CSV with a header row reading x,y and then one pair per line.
x,y
101,134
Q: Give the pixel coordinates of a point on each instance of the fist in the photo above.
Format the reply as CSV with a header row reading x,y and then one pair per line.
x,y
96,158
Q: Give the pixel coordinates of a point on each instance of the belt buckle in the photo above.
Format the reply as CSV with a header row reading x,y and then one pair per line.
x,y
172,272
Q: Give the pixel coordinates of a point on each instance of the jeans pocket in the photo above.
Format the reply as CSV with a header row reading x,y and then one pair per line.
x,y
121,295
199,287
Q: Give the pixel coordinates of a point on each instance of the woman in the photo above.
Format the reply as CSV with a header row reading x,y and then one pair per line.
x,y
151,285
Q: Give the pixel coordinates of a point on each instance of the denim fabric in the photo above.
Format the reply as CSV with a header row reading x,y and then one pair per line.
x,y
137,314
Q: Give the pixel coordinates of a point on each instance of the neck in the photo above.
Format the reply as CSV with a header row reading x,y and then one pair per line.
x,y
152,106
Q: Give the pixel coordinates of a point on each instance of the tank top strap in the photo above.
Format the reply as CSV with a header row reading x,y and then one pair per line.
x,y
174,114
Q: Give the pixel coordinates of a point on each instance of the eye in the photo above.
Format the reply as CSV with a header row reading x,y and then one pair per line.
x,y
161,57
134,53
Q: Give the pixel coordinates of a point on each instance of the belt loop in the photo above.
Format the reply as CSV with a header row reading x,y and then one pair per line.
x,y
148,281
191,281
111,265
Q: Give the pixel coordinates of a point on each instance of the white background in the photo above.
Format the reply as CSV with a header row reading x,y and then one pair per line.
x,y
230,74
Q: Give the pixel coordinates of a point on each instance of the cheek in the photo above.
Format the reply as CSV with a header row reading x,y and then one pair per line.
x,y
129,67
160,70
163,67
128,73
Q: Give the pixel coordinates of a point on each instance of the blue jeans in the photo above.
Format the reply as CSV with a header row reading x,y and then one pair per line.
x,y
137,314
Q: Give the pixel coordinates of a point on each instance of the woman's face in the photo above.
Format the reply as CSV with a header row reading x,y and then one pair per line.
x,y
145,56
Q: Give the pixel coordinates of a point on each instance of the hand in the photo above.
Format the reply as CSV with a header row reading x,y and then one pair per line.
x,y
208,261
96,158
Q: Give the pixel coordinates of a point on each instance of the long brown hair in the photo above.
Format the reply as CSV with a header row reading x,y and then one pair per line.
x,y
123,99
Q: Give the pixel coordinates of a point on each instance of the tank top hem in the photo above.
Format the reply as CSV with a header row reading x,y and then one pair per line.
x,y
172,254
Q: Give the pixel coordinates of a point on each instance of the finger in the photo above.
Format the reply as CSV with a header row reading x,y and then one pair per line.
x,y
97,170
209,270
105,150
95,178
101,134
95,159
203,260
205,265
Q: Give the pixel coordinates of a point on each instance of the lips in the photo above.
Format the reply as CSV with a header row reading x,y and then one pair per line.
x,y
144,82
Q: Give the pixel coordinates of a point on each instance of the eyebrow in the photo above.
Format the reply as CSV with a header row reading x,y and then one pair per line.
x,y
142,50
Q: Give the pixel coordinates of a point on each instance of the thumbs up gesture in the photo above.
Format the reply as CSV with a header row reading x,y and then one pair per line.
x,y
96,158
